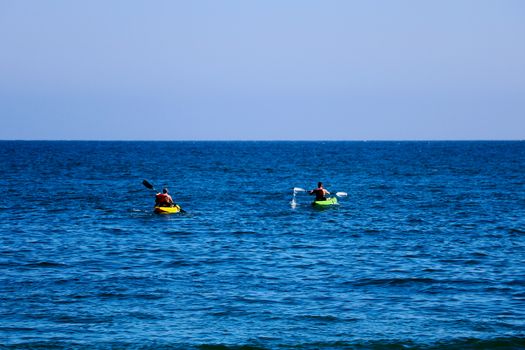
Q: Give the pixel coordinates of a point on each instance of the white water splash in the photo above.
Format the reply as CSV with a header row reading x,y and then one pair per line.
x,y
293,203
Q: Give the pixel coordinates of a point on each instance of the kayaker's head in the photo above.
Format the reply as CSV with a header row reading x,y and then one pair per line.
x,y
319,185
164,190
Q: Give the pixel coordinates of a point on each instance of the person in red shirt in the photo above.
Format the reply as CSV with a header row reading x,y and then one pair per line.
x,y
320,192
164,199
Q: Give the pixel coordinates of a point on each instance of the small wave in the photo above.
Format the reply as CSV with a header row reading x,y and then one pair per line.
x,y
121,296
472,262
432,269
178,233
244,232
516,230
82,319
327,318
480,254
45,264
178,263
520,283
57,210
113,229
415,220
109,295
16,329
371,230
391,281
145,316
519,296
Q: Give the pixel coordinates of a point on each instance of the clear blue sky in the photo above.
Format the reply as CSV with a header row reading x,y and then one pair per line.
x,y
262,69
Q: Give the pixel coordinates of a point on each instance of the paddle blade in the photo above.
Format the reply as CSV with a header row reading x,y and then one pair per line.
x,y
341,194
298,189
147,184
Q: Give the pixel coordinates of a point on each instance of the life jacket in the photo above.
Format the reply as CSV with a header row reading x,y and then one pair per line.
x,y
162,199
319,194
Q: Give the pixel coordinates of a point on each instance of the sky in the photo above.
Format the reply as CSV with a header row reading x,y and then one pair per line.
x,y
262,70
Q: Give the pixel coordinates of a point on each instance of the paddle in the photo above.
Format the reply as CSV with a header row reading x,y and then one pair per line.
x,y
338,194
150,186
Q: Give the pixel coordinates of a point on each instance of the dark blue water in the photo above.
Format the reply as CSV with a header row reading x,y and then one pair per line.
x,y
427,251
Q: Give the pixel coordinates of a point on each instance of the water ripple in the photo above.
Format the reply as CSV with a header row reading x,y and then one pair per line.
x,y
426,252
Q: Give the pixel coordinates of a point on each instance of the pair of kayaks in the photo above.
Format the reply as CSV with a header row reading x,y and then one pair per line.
x,y
176,209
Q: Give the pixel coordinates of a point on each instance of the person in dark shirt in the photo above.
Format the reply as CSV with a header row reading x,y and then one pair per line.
x,y
320,192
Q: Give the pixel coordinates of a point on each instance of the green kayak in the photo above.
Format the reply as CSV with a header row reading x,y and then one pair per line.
x,y
327,202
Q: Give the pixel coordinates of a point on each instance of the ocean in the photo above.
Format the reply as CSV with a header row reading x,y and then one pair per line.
x,y
427,251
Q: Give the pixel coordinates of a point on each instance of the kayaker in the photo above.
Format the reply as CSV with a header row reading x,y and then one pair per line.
x,y
320,192
163,199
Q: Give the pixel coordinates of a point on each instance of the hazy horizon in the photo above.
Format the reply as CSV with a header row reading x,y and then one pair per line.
x,y
262,70
261,140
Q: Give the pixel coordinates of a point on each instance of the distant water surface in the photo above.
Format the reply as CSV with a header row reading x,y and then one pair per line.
x,y
427,251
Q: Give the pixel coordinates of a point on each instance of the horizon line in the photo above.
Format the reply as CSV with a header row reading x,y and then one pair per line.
x,y
261,140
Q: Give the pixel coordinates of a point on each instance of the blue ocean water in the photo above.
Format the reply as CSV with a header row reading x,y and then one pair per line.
x,y
426,252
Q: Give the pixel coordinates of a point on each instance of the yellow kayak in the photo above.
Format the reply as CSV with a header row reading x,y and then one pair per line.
x,y
167,210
